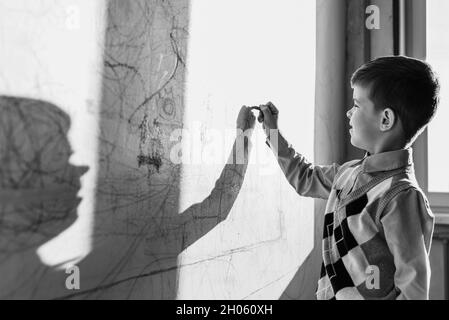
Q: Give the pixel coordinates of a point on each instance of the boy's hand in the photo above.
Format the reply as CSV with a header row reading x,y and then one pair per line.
x,y
269,117
246,119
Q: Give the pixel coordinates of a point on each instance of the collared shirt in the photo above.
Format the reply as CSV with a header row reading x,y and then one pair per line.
x,y
377,226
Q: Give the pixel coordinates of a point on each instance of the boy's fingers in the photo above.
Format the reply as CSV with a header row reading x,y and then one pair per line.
x,y
252,118
242,112
272,108
265,111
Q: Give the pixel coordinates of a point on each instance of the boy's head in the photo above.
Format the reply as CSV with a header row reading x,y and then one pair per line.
x,y
395,97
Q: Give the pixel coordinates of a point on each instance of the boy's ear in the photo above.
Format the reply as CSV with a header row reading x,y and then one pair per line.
x,y
388,119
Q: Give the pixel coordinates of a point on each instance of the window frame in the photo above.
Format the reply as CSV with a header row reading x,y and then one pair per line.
x,y
412,42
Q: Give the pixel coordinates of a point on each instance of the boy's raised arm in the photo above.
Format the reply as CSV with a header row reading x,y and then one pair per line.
x,y
308,180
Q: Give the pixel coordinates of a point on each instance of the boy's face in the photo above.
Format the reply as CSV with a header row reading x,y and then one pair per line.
x,y
364,120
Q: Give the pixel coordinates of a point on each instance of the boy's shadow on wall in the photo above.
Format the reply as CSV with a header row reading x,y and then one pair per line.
x,y
39,201
38,192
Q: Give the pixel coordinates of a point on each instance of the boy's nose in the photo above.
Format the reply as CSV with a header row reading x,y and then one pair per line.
x,y
349,113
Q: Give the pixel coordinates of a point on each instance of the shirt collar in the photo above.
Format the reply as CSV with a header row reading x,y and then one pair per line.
x,y
386,161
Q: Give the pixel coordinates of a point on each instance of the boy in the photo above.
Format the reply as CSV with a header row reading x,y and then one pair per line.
x,y
378,222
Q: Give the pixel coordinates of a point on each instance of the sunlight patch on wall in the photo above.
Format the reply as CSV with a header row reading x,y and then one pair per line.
x,y
247,53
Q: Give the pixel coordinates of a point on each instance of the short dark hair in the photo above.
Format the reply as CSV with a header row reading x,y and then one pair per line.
x,y
406,85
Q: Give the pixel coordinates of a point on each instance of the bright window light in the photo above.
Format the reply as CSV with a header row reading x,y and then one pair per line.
x,y
438,57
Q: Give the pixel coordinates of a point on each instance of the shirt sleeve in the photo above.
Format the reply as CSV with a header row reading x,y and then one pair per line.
x,y
408,226
308,180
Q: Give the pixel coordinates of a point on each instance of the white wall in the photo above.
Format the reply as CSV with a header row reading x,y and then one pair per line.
x,y
129,73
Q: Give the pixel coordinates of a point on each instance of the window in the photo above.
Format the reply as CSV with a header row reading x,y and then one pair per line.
x,y
437,54
423,36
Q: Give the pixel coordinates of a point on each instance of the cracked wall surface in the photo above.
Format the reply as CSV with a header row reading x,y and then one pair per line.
x,y
147,228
